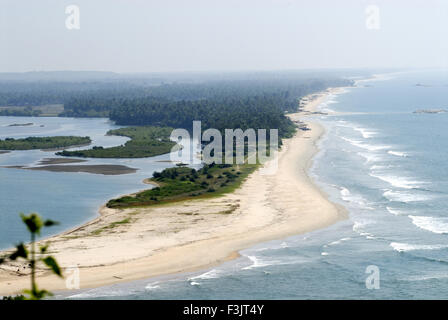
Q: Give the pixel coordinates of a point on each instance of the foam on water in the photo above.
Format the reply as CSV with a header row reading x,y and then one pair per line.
x,y
362,145
395,212
429,276
405,196
258,263
359,226
397,153
404,247
212,274
282,245
152,286
399,182
370,157
355,199
339,241
433,224
366,133
102,292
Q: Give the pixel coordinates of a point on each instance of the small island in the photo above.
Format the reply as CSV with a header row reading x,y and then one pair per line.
x,y
146,141
48,161
104,169
21,124
43,143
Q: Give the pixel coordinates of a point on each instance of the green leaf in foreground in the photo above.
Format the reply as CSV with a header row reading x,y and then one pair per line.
x,y
20,252
53,265
34,224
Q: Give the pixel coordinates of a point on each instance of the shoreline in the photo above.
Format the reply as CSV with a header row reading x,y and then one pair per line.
x,y
141,243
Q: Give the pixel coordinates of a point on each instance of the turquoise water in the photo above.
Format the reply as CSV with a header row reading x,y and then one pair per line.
x,y
387,166
70,198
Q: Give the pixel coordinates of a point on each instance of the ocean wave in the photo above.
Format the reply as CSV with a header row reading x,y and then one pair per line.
x,y
404,196
358,200
282,245
438,275
362,145
347,196
404,247
398,153
433,224
358,227
338,241
212,274
395,212
102,292
152,286
259,263
399,182
370,157
366,133
345,192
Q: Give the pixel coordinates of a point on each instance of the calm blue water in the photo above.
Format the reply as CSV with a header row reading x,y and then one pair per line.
x,y
70,198
388,167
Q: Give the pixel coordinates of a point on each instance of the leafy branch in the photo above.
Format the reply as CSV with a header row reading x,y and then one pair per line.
x,y
34,224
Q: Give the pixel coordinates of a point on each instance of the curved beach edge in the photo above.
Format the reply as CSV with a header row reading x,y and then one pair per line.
x,y
140,243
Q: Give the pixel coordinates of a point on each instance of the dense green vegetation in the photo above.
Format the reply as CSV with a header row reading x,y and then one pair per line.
x,y
49,110
32,143
20,112
83,92
214,93
175,184
255,112
145,142
38,92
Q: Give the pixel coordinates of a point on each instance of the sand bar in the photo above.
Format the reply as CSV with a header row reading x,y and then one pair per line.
x,y
104,169
47,161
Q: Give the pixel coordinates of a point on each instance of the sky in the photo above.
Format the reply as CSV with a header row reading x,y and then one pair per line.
x,y
222,35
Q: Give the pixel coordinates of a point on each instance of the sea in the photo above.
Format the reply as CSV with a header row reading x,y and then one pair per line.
x,y
382,161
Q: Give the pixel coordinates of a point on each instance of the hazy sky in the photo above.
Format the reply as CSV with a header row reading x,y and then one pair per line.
x,y
216,35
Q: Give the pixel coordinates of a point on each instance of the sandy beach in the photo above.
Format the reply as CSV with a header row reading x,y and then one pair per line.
x,y
138,243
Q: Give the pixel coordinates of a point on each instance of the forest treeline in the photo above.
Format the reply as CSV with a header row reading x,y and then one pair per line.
x,y
218,104
242,102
